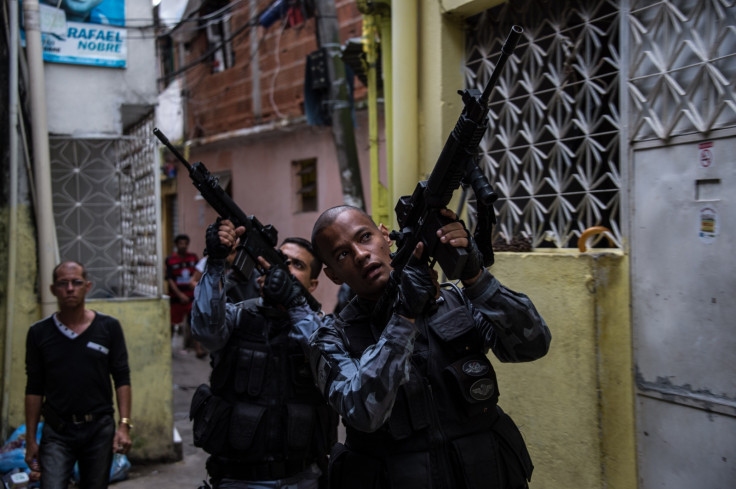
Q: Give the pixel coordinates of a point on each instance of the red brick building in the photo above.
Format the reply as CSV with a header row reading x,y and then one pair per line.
x,y
246,117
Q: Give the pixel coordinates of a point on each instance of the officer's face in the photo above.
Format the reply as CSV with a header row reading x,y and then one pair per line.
x,y
300,261
357,253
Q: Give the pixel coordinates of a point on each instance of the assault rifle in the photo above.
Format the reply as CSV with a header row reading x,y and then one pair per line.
x,y
258,240
419,215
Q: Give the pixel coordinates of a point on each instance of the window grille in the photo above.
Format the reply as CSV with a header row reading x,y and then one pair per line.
x,y
552,148
552,151
105,207
683,67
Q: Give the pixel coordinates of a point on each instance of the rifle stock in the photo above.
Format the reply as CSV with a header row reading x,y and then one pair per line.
x,y
258,239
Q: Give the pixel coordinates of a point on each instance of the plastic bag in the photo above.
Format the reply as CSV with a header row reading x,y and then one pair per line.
x,y
119,469
13,452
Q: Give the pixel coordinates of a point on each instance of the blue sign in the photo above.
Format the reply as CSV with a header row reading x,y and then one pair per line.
x,y
85,32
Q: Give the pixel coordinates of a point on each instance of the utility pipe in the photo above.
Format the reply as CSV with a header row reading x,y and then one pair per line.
x,y
46,229
404,30
12,213
384,25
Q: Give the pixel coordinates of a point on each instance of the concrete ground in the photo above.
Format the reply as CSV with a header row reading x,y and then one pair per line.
x,y
188,372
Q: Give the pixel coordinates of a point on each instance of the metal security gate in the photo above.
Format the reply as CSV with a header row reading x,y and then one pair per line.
x,y
684,313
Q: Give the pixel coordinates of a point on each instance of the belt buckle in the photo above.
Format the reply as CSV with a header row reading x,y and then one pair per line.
x,y
81,419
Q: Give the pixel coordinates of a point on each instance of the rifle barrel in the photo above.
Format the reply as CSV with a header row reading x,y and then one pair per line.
x,y
165,140
506,50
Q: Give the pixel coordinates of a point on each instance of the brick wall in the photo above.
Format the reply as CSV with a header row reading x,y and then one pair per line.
x,y
220,102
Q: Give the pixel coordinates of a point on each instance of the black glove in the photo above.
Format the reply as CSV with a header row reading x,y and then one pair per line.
x,y
215,249
416,288
474,263
280,287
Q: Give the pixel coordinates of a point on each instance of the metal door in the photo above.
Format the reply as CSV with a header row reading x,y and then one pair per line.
x,y
683,246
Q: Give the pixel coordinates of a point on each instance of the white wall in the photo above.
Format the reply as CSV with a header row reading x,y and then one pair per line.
x,y
87,100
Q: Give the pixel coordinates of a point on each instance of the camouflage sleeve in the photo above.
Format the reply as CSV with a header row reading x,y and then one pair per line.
x,y
304,322
508,321
363,390
213,319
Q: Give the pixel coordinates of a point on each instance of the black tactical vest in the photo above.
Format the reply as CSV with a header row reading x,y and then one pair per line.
x,y
452,389
277,412
445,430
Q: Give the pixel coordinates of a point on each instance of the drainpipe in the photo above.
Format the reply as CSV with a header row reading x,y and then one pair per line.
x,y
47,253
13,215
373,13
404,28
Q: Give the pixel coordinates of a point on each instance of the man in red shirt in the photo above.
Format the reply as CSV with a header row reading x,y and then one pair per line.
x,y
180,273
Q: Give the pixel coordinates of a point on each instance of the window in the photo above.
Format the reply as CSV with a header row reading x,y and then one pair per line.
x,y
305,172
216,16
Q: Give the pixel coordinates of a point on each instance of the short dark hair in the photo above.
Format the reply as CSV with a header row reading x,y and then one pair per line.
x,y
55,272
327,218
316,265
180,237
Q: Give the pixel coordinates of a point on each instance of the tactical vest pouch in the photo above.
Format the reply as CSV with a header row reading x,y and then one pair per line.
x,y
250,371
456,329
513,452
211,417
301,375
476,383
300,426
354,470
476,458
244,424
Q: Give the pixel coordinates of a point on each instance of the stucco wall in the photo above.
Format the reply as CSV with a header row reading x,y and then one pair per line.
x,y
25,311
575,405
147,331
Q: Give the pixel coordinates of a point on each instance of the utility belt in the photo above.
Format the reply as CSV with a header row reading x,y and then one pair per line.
x,y
222,468
60,422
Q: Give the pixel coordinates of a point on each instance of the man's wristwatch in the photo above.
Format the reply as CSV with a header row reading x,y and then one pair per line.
x,y
127,422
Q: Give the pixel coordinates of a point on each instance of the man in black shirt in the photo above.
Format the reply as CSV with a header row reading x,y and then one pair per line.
x,y
70,357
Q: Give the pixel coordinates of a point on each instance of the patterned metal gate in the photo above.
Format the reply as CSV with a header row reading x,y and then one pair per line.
x,y
105,194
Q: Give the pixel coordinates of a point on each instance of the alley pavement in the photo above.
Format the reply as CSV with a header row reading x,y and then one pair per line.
x,y
188,373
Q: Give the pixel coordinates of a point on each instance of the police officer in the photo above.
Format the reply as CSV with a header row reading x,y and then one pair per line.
x,y
261,418
417,393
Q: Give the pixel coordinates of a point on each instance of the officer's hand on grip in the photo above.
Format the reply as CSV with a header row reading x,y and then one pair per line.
x,y
474,263
280,287
416,287
216,242
457,235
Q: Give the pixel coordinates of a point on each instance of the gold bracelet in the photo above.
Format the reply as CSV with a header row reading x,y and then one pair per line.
x,y
127,422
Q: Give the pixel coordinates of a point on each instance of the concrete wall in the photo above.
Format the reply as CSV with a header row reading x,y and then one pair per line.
x,y
575,405
147,332
25,310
